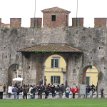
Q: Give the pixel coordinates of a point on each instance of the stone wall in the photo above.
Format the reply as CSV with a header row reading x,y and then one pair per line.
x,y
92,41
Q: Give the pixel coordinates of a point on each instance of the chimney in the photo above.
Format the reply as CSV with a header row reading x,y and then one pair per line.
x,y
15,22
100,22
36,22
77,22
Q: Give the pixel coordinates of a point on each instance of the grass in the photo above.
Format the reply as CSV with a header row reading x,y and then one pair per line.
x,y
55,103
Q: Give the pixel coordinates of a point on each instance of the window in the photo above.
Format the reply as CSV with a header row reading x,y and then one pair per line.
x,y
53,17
55,79
19,76
55,63
88,80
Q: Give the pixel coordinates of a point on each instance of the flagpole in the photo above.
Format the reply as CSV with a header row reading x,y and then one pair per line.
x,y
35,9
77,13
34,12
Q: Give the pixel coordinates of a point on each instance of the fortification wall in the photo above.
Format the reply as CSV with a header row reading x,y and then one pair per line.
x,y
92,41
38,23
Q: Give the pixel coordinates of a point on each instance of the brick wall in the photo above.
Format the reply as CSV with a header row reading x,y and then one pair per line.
x,y
15,22
77,22
61,20
36,22
100,22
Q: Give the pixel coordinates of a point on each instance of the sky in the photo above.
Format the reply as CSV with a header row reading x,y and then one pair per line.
x,y
88,9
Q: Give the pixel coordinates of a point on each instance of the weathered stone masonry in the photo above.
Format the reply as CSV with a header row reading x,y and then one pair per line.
x,y
91,41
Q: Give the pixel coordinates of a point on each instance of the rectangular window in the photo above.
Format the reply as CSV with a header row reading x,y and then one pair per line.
x,y
53,17
88,80
55,79
55,63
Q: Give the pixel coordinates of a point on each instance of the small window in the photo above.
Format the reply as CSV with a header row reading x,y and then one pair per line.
x,y
53,17
55,63
55,79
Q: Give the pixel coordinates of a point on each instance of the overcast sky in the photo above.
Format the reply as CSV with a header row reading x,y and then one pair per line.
x,y
25,9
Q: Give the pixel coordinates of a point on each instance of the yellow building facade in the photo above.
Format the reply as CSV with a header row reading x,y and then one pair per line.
x,y
92,76
55,70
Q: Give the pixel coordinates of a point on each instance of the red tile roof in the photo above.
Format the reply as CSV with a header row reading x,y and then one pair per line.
x,y
51,48
55,9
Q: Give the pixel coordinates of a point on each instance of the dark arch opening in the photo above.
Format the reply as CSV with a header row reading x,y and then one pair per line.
x,y
12,73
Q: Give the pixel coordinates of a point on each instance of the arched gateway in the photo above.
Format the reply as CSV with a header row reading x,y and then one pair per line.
x,y
35,56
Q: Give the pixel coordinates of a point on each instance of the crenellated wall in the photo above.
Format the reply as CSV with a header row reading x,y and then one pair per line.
x,y
91,41
62,21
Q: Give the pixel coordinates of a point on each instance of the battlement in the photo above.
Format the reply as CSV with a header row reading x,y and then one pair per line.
x,y
16,23
37,22
52,18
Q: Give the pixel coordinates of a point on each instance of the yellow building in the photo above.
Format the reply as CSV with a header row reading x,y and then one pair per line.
x,y
92,76
55,70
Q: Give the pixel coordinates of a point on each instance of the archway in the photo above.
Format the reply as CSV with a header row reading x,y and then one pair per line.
x,y
55,70
38,55
12,73
90,75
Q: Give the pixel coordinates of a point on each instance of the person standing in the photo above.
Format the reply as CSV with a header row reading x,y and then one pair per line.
x,y
47,90
102,92
74,90
30,91
61,90
4,88
15,90
25,91
9,91
1,91
40,91
67,91
53,90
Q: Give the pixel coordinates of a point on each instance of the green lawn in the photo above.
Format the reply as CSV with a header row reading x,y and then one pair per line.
x,y
55,103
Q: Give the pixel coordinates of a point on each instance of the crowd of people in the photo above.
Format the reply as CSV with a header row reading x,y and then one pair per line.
x,y
41,90
92,90
45,91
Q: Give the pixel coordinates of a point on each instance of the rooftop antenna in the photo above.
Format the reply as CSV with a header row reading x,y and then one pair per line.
x,y
77,13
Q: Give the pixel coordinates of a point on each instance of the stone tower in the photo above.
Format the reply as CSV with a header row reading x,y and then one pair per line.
x,y
55,17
